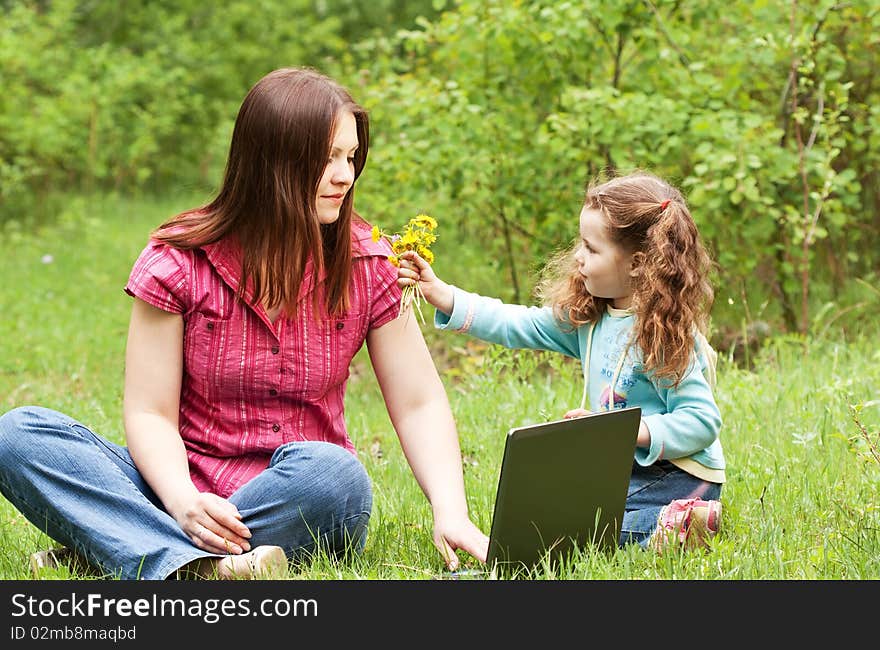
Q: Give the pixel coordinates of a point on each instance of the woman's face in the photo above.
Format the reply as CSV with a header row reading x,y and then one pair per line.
x,y
604,265
339,172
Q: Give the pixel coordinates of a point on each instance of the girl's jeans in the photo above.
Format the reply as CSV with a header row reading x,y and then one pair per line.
x,y
651,488
87,494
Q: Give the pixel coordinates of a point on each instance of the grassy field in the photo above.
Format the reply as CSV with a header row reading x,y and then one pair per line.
x,y
801,431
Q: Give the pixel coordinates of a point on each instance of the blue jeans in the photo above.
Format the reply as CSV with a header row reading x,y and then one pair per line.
x,y
651,488
86,493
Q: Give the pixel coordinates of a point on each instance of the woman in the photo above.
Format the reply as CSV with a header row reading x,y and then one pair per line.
x,y
247,313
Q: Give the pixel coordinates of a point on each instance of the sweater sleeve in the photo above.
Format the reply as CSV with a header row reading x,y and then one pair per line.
x,y
691,422
513,326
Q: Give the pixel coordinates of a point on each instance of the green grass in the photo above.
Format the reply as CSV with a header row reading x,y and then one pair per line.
x,y
801,501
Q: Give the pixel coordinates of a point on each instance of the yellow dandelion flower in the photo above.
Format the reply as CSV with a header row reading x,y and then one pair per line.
x,y
417,236
425,221
426,254
408,241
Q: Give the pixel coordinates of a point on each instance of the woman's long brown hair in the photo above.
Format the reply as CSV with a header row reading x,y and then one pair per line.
x,y
279,150
672,293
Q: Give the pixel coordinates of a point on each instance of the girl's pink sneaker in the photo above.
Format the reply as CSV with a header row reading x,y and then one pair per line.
x,y
686,523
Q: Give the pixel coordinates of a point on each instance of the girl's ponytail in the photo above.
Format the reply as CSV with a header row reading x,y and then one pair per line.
x,y
674,290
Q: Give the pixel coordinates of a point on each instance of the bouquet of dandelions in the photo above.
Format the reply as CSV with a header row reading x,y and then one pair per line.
x,y
418,235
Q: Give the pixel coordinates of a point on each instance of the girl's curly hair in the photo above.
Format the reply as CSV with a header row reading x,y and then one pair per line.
x,y
672,294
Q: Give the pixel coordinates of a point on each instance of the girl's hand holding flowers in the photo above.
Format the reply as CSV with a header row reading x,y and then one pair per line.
x,y
412,255
413,270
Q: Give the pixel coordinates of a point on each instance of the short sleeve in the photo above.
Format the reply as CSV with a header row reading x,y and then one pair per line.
x,y
385,304
160,277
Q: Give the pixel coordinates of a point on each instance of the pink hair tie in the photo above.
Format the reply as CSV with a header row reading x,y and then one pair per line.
x,y
664,204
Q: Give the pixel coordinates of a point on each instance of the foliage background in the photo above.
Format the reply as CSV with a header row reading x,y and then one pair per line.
x,y
491,116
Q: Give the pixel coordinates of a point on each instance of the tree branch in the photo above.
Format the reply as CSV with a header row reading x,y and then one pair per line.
x,y
682,57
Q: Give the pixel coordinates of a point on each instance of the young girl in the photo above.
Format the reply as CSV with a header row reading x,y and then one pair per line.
x,y
630,300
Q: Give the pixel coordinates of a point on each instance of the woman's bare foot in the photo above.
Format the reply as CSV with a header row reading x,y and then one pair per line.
x,y
261,563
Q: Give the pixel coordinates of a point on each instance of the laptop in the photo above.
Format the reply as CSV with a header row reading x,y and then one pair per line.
x,y
562,485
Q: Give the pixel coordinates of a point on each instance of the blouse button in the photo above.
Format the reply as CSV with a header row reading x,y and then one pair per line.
x,y
340,325
210,326
274,349
276,428
273,392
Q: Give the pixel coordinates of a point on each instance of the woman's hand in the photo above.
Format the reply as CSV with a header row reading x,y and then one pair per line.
x,y
212,523
575,413
415,270
453,533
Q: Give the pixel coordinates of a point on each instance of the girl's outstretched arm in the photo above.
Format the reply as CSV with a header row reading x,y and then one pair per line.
x,y
513,326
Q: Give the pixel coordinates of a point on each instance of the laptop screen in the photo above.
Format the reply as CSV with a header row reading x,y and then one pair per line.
x,y
563,484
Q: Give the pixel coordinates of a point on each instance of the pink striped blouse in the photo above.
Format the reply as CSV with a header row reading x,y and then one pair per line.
x,y
250,386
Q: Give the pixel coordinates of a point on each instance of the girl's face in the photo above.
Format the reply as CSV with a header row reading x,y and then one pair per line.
x,y
339,173
606,267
